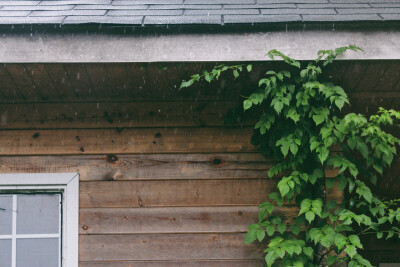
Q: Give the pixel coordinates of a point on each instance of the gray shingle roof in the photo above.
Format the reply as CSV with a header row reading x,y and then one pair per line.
x,y
219,12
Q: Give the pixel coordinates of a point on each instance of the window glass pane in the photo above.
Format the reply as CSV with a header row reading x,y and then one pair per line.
x,y
38,214
5,252
37,252
6,214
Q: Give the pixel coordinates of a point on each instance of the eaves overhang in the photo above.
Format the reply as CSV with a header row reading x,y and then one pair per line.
x,y
127,44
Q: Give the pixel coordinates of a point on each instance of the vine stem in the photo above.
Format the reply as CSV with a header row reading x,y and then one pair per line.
x,y
323,255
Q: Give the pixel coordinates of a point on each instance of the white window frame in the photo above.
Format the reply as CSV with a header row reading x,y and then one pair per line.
x,y
68,183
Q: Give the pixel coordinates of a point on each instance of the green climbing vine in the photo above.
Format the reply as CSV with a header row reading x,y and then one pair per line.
x,y
300,122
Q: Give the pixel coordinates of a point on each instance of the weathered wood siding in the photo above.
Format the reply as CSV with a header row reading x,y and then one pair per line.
x,y
163,181
163,192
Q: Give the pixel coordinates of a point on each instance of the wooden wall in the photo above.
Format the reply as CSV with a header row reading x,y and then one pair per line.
x,y
163,181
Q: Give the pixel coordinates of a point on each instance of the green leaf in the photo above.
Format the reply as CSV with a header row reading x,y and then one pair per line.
x,y
342,182
305,206
286,73
390,234
339,103
331,260
350,250
247,104
292,114
379,235
207,76
249,67
285,149
310,216
270,258
254,226
355,240
331,204
294,148
330,183
283,188
235,73
309,252
260,235
250,237
282,228
278,106
364,192
186,83
270,230
318,119
298,264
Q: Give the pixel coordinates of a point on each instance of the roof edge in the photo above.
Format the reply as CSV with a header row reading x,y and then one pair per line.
x,y
197,28
64,47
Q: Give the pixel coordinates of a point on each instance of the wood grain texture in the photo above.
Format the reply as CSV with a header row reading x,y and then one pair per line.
x,y
160,81
130,140
116,114
144,166
166,247
130,194
382,256
173,220
188,263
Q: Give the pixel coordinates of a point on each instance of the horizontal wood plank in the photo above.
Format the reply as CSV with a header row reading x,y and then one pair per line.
x,y
130,140
129,194
381,256
188,263
116,114
144,166
173,220
166,247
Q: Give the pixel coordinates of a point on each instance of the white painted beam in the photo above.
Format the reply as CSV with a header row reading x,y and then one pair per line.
x,y
302,45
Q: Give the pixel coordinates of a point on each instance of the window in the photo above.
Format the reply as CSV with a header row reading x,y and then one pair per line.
x,y
39,220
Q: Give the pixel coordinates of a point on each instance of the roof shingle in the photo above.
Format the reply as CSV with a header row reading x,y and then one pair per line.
x,y
219,12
